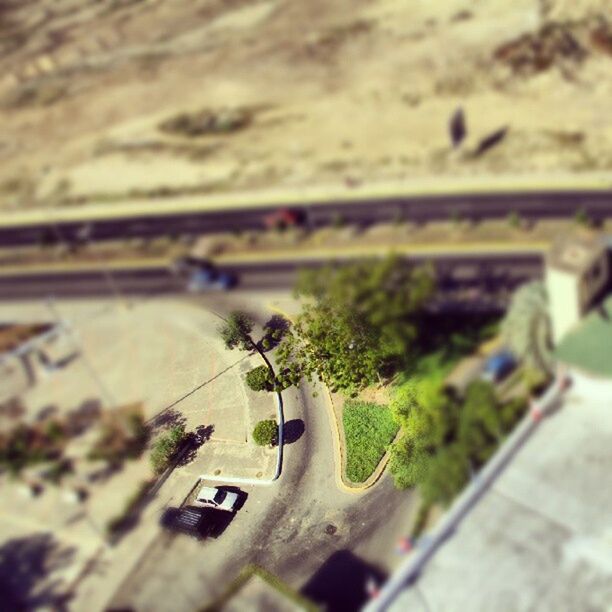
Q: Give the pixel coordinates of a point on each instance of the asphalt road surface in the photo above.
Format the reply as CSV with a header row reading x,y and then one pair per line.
x,y
492,274
303,529
598,205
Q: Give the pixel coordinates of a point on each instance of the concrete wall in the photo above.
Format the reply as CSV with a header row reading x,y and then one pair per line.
x,y
564,301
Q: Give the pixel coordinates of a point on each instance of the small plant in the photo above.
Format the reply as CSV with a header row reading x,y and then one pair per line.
x,y
166,447
582,218
260,379
266,433
514,220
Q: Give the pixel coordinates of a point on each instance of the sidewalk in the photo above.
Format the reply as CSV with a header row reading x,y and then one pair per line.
x,y
111,566
230,452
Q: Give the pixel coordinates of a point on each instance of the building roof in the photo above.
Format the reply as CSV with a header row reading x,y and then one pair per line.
x,y
575,253
540,538
589,346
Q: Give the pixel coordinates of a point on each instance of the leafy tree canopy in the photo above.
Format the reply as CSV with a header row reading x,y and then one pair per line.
x,y
236,331
357,322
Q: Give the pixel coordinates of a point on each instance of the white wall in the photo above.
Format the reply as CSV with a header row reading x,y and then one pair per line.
x,y
564,302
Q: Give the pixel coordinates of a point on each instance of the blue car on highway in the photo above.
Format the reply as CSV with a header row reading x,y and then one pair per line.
x,y
201,275
210,280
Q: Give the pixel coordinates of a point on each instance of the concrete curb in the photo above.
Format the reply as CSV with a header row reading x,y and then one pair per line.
x,y
338,441
407,249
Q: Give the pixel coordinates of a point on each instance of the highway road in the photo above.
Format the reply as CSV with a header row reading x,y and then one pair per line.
x,y
494,274
598,204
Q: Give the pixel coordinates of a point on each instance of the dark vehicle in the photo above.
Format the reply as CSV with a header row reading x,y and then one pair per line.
x,y
188,265
284,218
190,520
210,280
197,522
202,275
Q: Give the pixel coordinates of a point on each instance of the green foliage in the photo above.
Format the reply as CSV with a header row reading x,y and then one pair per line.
x,y
480,424
583,218
447,474
421,519
165,448
511,412
427,417
266,433
260,379
409,462
358,322
535,380
26,445
442,438
368,430
236,331
514,220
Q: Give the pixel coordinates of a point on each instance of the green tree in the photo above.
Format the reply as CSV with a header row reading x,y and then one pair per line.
x,y
260,379
480,425
357,322
408,462
266,433
236,331
165,448
426,415
448,472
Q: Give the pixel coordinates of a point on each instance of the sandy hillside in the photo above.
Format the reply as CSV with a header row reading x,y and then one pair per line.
x,y
102,100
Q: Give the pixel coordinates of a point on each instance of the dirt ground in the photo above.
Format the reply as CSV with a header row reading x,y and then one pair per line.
x,y
100,101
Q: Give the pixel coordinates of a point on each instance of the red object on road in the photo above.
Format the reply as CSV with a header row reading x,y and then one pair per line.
x,y
282,218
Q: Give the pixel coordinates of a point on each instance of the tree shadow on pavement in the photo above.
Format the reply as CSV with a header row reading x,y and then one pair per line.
x,y
197,438
26,565
293,431
166,420
329,586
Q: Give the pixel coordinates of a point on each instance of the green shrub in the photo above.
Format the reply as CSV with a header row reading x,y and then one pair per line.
x,y
236,331
368,430
165,448
260,379
583,218
266,433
